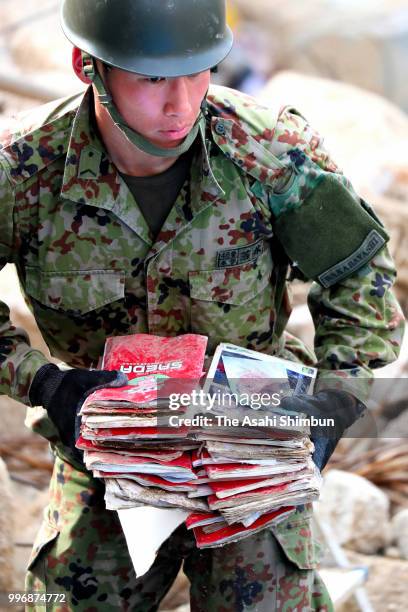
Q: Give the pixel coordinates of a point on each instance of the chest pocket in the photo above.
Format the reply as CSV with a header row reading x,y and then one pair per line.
x,y
75,291
234,285
234,304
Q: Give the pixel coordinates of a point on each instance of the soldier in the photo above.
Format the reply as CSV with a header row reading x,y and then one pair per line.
x,y
158,203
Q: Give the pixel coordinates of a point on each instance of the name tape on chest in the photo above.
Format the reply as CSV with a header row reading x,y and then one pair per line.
x,y
237,256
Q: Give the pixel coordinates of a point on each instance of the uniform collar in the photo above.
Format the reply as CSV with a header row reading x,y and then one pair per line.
x,y
90,177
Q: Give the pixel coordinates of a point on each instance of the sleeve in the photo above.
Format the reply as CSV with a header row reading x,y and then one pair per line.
x,y
18,360
358,322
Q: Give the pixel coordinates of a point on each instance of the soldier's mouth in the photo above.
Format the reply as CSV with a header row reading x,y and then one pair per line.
x,y
176,134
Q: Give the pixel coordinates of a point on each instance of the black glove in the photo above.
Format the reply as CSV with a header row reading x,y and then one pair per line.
x,y
62,394
341,406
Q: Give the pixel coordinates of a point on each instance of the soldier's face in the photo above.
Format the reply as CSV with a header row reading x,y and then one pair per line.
x,y
163,110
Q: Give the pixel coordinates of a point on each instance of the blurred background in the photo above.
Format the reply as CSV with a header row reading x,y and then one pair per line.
x,y
344,65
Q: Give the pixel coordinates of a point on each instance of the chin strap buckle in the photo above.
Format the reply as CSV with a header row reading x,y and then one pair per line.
x,y
105,98
90,71
88,66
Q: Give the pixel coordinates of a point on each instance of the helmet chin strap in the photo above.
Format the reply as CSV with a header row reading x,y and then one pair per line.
x,y
131,135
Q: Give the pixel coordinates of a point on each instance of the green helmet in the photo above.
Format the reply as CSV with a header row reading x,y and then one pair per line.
x,y
163,38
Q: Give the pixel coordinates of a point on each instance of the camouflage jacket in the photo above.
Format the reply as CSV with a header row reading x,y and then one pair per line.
x,y
89,267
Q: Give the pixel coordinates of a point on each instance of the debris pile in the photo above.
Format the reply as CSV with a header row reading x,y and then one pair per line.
x,y
362,43
385,466
366,136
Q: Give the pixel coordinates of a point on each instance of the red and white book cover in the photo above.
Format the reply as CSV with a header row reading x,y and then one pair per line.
x,y
228,488
143,354
149,480
103,460
183,462
130,433
155,367
199,519
227,471
232,533
164,455
265,491
137,397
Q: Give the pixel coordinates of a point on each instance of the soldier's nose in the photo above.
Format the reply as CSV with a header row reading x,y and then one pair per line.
x,y
178,99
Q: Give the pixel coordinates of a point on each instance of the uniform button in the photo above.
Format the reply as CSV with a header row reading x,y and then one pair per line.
x,y
220,129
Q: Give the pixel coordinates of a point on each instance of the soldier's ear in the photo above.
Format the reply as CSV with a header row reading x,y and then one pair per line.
x,y
78,66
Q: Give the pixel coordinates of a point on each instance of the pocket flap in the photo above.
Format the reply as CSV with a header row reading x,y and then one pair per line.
x,y
46,535
76,290
297,537
234,285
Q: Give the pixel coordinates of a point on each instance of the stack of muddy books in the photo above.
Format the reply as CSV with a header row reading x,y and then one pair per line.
x,y
256,458
246,490
125,433
230,475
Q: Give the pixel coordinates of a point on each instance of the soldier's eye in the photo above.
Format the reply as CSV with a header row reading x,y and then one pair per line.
x,y
155,79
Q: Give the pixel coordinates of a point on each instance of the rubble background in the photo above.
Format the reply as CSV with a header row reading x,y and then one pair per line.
x,y
343,65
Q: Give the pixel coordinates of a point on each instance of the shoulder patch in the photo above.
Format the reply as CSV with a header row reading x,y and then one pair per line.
x,y
355,261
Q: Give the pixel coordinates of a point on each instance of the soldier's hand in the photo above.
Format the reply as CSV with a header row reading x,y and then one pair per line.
x,y
338,405
62,394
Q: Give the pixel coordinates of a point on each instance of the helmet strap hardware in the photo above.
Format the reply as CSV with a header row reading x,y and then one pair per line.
x,y
131,135
204,106
105,98
88,66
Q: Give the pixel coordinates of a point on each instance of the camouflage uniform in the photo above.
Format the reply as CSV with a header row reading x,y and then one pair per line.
x,y
89,268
